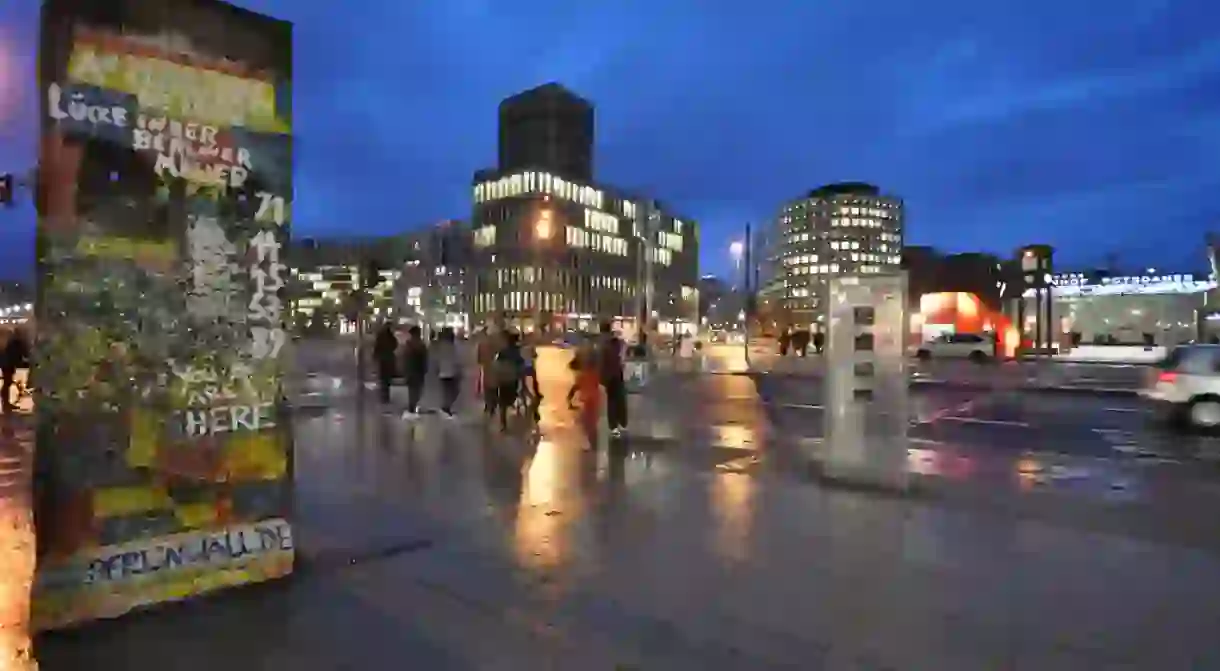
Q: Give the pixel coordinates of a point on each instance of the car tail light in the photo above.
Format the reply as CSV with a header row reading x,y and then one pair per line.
x,y
1168,377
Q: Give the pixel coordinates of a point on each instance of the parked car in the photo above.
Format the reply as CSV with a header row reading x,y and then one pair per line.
x,y
973,346
1186,386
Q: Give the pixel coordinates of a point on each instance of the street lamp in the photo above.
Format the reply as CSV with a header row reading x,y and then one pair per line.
x,y
543,229
736,250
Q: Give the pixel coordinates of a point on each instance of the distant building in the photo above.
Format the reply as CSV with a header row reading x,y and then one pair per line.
x,y
552,249
929,272
422,275
547,128
720,303
16,293
1169,308
838,230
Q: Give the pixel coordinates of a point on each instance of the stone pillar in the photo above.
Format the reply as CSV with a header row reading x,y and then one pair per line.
x,y
865,385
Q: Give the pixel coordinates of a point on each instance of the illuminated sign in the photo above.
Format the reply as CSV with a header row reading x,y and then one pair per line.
x,y
1068,285
1081,280
1139,280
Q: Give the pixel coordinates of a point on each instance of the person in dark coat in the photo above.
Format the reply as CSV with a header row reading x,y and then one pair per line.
x,y
414,370
800,342
385,353
610,362
509,369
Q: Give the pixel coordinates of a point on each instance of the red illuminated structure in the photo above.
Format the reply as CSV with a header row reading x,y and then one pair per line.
x,y
963,312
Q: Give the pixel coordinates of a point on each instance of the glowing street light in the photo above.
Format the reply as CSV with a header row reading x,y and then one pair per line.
x,y
542,231
736,250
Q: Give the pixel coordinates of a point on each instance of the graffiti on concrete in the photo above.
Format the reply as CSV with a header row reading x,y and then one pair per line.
x,y
166,167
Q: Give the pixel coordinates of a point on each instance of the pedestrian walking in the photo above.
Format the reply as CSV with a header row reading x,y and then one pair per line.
x,y
385,353
508,371
610,365
487,349
447,361
588,387
414,370
583,358
529,355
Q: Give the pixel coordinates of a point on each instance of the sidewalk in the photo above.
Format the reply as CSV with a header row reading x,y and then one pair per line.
x,y
440,546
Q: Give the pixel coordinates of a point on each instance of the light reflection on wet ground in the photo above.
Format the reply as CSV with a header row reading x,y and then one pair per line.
x,y
16,543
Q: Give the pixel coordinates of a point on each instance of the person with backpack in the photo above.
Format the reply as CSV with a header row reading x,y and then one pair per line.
x,y
414,370
509,368
610,366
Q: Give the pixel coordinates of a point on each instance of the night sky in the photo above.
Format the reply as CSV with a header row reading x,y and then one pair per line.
x,y
1092,126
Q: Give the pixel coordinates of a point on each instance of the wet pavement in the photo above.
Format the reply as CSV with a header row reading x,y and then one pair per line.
x,y
1117,379
1012,420
701,542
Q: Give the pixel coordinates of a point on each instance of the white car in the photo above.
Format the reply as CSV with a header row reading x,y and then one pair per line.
x,y
1186,385
972,346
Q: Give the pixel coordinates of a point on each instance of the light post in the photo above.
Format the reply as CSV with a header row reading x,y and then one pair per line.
x,y
543,230
736,250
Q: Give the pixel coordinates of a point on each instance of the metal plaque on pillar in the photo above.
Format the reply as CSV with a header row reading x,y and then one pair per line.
x,y
866,390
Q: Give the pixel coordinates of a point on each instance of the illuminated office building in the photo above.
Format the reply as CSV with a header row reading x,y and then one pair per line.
x,y
838,230
551,249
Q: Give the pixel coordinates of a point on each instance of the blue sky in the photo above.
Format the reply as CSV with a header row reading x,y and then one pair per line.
x,y
1094,127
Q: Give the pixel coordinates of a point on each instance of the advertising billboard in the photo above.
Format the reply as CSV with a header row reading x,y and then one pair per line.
x,y
163,466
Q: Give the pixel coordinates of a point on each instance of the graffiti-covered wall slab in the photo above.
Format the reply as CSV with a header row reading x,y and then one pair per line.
x,y
165,189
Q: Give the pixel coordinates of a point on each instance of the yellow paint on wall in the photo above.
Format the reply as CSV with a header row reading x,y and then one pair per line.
x,y
183,92
195,515
125,248
256,456
145,434
122,501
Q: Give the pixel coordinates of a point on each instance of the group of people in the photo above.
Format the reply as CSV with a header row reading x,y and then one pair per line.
x,y
508,374
798,342
598,365
417,359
